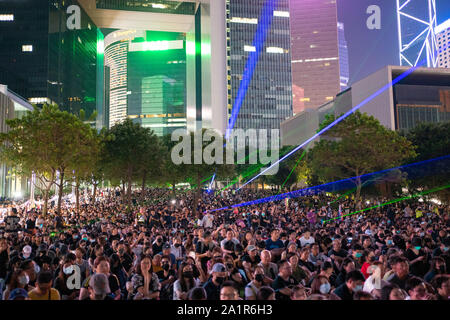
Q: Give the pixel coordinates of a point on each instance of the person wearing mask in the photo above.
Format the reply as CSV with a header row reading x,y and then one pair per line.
x,y
354,282
19,279
418,258
44,290
67,270
166,278
186,281
321,285
212,286
252,288
283,281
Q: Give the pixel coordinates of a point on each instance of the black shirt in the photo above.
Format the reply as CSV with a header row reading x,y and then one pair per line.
x,y
212,291
343,292
280,283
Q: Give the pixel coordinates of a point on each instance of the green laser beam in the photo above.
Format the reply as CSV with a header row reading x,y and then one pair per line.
x,y
392,201
298,161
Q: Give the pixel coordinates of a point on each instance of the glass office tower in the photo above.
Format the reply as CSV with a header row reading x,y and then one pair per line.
x,y
259,63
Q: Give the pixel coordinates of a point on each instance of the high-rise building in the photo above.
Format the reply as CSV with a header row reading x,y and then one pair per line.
x,y
228,56
315,51
443,43
258,67
416,32
343,57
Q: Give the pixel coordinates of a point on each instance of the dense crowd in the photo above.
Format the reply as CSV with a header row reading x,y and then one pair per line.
x,y
159,247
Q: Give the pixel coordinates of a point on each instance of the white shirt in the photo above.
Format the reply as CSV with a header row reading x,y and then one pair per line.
x,y
304,241
208,220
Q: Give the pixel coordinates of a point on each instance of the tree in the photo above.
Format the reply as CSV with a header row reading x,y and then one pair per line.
x,y
432,141
44,142
171,173
124,153
199,171
357,145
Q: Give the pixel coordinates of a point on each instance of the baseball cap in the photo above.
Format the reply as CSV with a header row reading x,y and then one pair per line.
x,y
166,246
251,248
219,267
99,283
18,293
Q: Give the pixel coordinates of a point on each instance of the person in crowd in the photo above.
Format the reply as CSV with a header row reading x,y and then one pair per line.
x,y
185,282
44,290
441,285
229,291
219,276
354,282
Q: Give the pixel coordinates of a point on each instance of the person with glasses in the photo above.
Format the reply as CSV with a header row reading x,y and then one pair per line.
x,y
229,291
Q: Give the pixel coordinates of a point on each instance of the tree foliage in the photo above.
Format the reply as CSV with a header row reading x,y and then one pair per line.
x,y
357,145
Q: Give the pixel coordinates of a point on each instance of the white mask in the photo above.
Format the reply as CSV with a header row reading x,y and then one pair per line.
x,y
68,270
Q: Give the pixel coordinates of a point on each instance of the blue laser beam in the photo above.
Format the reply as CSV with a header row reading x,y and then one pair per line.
x,y
323,187
371,97
258,42
212,181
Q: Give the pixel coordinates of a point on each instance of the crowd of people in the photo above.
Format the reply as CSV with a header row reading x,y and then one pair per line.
x,y
163,246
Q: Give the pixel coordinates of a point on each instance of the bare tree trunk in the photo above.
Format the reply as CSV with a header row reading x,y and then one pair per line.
x,y
196,196
123,191
129,190
60,190
358,188
77,194
144,177
173,188
45,209
95,191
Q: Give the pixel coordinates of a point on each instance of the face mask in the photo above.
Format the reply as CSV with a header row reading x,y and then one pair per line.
x,y
441,269
68,270
389,242
75,237
92,240
177,245
84,238
37,269
259,277
445,249
325,288
358,255
417,248
165,266
24,280
220,280
358,288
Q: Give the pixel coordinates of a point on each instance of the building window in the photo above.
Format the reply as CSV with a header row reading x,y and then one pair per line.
x,y
281,14
27,48
244,20
249,48
6,17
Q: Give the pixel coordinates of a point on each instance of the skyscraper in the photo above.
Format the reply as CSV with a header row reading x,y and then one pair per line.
x,y
443,42
259,68
315,51
416,32
343,57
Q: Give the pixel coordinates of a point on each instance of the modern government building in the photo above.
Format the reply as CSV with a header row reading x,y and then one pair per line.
x,y
163,63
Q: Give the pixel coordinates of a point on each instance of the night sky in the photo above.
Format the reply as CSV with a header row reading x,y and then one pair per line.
x,y
371,50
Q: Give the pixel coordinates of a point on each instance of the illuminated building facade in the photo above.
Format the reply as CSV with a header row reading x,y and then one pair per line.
x,y
443,43
315,51
258,66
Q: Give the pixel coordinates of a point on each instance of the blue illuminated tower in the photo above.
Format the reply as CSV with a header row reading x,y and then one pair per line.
x,y
416,32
